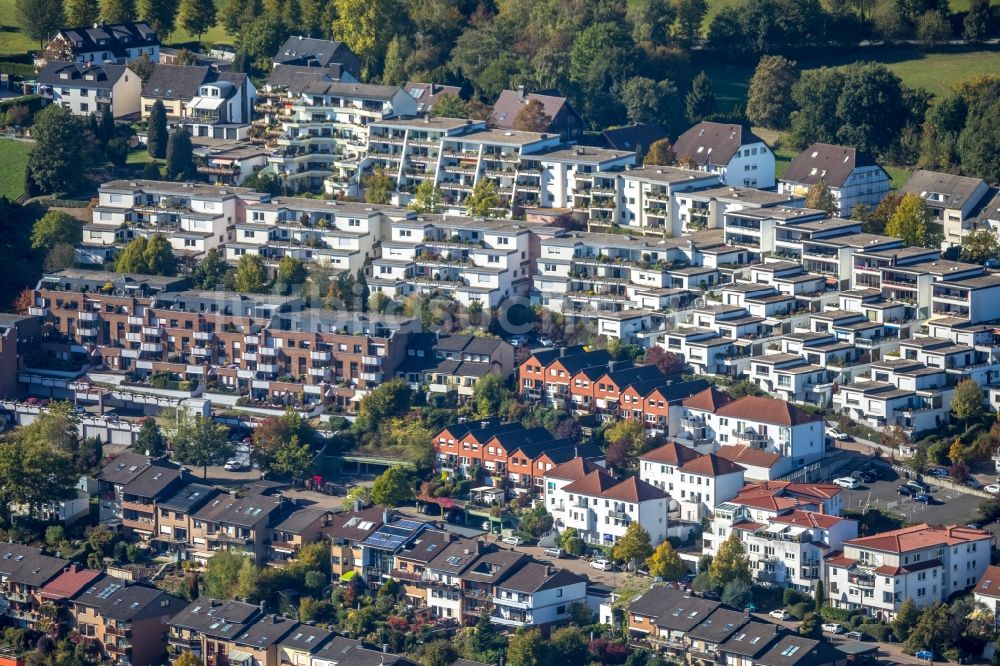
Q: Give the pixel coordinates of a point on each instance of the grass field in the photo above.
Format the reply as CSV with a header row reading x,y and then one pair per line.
x,y
14,157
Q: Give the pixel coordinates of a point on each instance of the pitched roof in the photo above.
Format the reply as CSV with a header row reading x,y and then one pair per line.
x,y
180,82
719,625
80,74
809,519
791,649
593,484
220,618
672,608
121,600
598,358
118,37
535,577
767,410
511,102
301,518
633,137
713,143
749,456
26,565
69,583
671,453
752,639
989,583
711,465
351,652
826,162
920,536
294,78
429,94
572,470
312,52
709,400
634,490
957,189
545,356
306,638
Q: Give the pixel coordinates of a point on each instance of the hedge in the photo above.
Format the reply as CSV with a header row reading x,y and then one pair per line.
x,y
832,614
798,611
880,632
64,203
33,102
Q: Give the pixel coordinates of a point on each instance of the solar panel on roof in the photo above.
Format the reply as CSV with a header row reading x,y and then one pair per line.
x,y
408,524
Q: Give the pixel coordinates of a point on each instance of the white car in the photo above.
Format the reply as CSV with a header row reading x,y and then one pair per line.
x,y
546,341
847,482
993,488
235,465
834,433
512,540
833,628
602,564
780,614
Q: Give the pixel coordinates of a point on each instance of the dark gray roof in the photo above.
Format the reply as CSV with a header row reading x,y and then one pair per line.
x,y
27,566
535,577
124,468
300,519
494,567
356,525
80,75
427,546
216,617
457,556
266,631
311,52
188,498
119,37
957,189
792,649
243,512
633,137
713,143
720,625
361,90
121,600
175,81
828,163
673,609
294,78
155,479
306,638
752,639
350,652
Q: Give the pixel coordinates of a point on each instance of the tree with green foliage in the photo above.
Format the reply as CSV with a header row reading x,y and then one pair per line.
x,y
397,54
392,487
700,100
152,171
769,99
222,574
367,27
931,631
40,19
150,440
569,644
197,16
378,186
816,94
187,658
626,440
201,442
687,26
730,563
736,594
601,60
665,562
528,648
161,15
536,521
933,28
491,395
251,275
63,152
484,199
391,398
262,38
291,271
116,151
818,596
979,245
649,101
906,619
157,136
118,11
871,109
819,197
55,227
426,198
180,155
911,221
967,401
484,639
634,547
275,434
82,12
210,271
152,256
976,25
450,106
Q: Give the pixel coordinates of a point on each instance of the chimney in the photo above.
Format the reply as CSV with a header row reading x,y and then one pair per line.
x,y
562,352
357,505
261,606
611,366
520,93
385,516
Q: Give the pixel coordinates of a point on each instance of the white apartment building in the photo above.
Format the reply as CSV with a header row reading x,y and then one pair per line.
x,y
194,217
325,134
645,199
600,507
88,88
706,208
473,260
340,234
696,482
926,563
951,200
852,177
740,157
537,594
573,177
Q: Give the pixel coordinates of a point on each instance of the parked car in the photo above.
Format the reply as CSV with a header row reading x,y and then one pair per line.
x,y
939,472
993,488
864,476
512,540
602,564
835,433
236,465
973,482
854,636
780,614
847,482
904,490
923,498
919,486
546,341
518,340
553,552
833,627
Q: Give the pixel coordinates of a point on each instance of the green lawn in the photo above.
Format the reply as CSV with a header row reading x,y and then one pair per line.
x,y
716,6
14,157
183,38
11,39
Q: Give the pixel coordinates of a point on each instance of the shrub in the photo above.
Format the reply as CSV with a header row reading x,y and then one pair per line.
x,y
792,597
831,614
799,610
882,633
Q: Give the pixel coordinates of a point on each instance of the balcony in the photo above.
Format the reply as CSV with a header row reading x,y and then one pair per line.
x,y
268,351
86,332
268,367
371,360
38,312
251,339
154,347
203,352
371,376
512,603
203,335
88,316
862,581
133,337
136,321
320,355
155,331
249,356
317,372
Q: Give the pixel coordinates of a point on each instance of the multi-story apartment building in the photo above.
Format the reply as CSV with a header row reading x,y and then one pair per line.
x,y
952,200
151,477
87,88
739,156
925,563
299,51
987,592
245,524
174,521
118,43
453,364
696,482
645,199
325,133
473,261
537,595
208,103
851,176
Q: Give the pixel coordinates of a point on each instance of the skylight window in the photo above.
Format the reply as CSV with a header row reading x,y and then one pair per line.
x,y
790,650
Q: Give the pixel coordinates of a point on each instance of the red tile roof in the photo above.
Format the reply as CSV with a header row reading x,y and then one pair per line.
x,y
708,400
711,465
68,583
767,410
634,490
748,526
989,584
837,559
920,536
573,470
593,484
748,456
671,453
809,519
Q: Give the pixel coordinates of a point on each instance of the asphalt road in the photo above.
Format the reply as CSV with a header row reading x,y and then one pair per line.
x,y
949,507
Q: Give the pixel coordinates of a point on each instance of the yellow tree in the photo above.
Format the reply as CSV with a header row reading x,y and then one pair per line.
x,y
367,27
665,562
729,564
910,221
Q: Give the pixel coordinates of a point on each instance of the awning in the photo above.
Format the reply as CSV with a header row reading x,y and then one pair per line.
x,y
238,657
210,103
